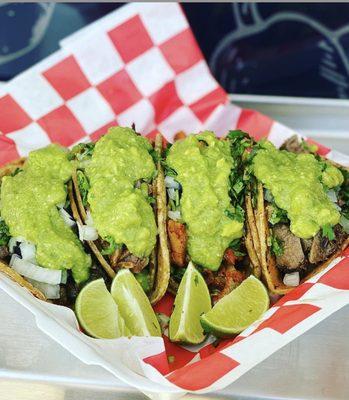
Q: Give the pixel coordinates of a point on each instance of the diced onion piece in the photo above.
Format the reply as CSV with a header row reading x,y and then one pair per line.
x,y
291,279
87,232
13,242
171,193
51,292
175,215
66,217
89,220
32,271
28,251
80,230
331,194
170,182
345,223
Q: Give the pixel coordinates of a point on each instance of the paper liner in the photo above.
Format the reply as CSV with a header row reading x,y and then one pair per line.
x,y
142,65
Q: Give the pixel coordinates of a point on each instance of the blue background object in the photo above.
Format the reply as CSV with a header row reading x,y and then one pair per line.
x,y
290,49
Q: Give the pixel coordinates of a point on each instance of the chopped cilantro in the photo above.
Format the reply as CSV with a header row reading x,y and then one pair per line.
x,y
238,214
235,245
169,171
278,215
229,214
143,279
84,186
4,233
276,246
155,155
150,199
238,187
167,149
16,171
82,151
112,246
327,231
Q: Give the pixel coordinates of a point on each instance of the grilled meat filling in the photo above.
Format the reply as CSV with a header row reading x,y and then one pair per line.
x,y
292,258
322,248
178,242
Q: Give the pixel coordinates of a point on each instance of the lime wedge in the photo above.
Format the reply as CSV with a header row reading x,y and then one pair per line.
x,y
238,310
192,300
97,312
134,305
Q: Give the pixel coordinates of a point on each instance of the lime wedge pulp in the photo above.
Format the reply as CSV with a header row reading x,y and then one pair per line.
x,y
238,310
134,305
192,300
97,312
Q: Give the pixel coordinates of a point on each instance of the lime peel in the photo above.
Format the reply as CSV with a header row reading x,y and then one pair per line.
x,y
192,300
238,310
134,306
97,312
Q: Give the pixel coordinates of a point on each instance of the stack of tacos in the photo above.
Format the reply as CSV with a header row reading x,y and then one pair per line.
x,y
231,206
107,195
206,217
297,210
117,192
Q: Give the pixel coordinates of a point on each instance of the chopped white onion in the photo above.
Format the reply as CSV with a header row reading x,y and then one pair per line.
x,y
61,205
87,232
345,223
13,242
80,231
68,219
89,220
291,279
171,193
170,182
331,194
32,271
51,292
175,215
28,251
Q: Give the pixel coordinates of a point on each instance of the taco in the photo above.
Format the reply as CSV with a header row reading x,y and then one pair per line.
x,y
205,219
39,248
119,207
298,204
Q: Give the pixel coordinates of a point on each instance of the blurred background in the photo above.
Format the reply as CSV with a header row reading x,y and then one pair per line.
x,y
283,49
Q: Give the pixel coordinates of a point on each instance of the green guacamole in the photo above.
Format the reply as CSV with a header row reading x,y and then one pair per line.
x,y
29,207
297,183
119,210
203,164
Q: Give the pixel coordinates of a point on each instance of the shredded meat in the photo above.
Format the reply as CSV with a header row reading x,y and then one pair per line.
x,y
322,248
130,261
293,145
114,258
230,257
293,257
4,252
178,242
179,135
223,281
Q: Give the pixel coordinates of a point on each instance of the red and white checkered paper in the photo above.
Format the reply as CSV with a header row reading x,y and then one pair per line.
x,y
141,64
